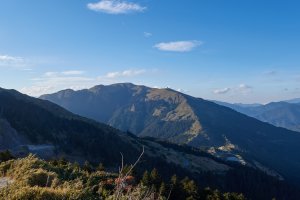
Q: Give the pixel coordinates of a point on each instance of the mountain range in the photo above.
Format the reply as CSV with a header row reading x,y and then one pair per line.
x,y
284,114
179,118
30,125
296,100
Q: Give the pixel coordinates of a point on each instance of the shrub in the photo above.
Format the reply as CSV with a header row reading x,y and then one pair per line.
x,y
41,178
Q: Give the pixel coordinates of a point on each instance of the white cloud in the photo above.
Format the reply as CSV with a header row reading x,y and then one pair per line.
x,y
64,73
12,61
221,91
182,90
6,58
27,69
147,34
50,82
126,73
178,46
241,88
115,7
270,73
50,74
244,88
73,72
37,90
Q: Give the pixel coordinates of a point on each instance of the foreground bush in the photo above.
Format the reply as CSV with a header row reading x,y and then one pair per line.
x,y
36,179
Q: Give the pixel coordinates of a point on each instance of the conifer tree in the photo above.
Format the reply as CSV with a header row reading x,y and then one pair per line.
x,y
162,189
146,178
87,167
155,178
101,167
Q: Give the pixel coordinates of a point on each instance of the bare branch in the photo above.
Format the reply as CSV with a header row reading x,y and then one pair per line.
x,y
122,178
170,192
136,162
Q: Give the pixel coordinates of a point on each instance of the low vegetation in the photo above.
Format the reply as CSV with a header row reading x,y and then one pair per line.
x,y
36,179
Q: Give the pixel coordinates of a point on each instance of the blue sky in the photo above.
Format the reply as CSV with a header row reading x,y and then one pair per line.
x,y
236,51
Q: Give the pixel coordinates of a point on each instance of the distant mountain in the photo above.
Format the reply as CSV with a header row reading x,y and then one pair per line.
x,y
237,105
297,100
33,125
179,118
281,114
240,107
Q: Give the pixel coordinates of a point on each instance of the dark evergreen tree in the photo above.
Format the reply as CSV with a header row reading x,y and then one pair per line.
x,y
162,189
87,167
190,188
5,156
175,189
101,167
155,179
146,179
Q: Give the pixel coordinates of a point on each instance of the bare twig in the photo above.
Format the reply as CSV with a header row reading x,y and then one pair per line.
x,y
122,178
170,192
47,181
136,162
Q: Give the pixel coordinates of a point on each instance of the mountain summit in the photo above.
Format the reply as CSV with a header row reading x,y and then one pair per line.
x,y
161,113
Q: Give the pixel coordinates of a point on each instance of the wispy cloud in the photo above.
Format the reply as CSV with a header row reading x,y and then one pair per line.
x,y
6,58
222,91
178,46
12,61
126,73
244,87
37,90
51,74
54,81
63,73
147,34
182,90
270,73
73,72
115,7
241,88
